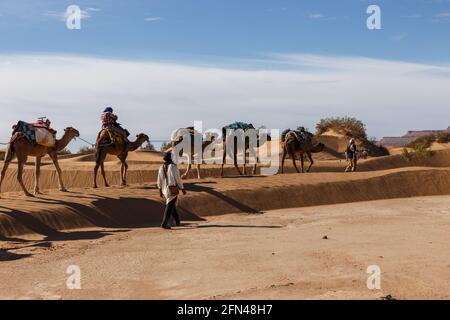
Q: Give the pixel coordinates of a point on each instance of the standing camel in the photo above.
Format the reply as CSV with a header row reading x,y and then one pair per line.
x,y
116,149
191,133
22,149
293,144
226,140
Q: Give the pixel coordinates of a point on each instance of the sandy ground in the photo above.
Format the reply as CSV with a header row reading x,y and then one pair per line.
x,y
275,255
242,242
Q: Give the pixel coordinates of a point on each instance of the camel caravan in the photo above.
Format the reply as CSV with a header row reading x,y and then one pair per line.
x,y
39,140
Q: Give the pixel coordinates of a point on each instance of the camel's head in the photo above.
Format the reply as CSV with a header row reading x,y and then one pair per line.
x,y
72,132
143,137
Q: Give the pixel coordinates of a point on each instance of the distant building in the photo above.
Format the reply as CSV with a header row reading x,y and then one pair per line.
x,y
409,137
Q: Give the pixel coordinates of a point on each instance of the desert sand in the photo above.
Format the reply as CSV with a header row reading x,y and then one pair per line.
x,y
244,237
280,254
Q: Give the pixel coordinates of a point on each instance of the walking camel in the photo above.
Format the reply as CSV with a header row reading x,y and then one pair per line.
x,y
22,148
227,139
191,133
116,149
293,144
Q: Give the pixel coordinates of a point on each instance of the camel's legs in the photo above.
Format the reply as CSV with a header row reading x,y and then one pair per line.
x,y
236,165
97,166
54,157
311,162
22,159
100,157
198,172
37,176
102,166
235,159
95,175
293,162
224,157
126,172
244,171
9,156
302,161
184,176
123,171
282,160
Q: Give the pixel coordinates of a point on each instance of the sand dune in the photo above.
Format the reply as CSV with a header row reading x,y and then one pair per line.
x,y
139,205
78,171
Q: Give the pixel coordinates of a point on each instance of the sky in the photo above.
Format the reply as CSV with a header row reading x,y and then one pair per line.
x,y
163,64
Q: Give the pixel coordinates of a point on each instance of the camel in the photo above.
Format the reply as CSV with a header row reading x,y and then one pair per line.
x,y
205,144
235,153
102,150
292,145
22,149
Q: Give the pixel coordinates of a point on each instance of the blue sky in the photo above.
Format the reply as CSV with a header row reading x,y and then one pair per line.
x,y
163,64
414,30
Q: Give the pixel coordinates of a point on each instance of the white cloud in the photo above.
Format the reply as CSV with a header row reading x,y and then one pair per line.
x,y
389,96
320,16
414,16
93,9
443,15
399,36
151,19
315,16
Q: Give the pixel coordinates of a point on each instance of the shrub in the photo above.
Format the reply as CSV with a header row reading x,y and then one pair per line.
x,y
86,150
422,142
419,151
443,137
165,146
149,147
64,152
351,127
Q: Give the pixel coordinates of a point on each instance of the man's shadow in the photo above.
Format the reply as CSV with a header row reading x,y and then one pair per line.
x,y
200,187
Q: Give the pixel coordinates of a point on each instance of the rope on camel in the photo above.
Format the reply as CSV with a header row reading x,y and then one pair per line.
x,y
91,144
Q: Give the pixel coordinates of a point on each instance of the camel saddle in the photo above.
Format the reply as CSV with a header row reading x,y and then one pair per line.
x,y
111,138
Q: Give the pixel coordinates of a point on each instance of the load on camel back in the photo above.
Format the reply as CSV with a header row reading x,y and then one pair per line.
x,y
236,126
39,132
301,135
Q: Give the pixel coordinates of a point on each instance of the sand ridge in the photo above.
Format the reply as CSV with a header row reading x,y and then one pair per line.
x,y
139,205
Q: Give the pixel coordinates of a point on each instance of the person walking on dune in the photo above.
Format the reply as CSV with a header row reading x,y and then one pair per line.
x,y
169,185
351,155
